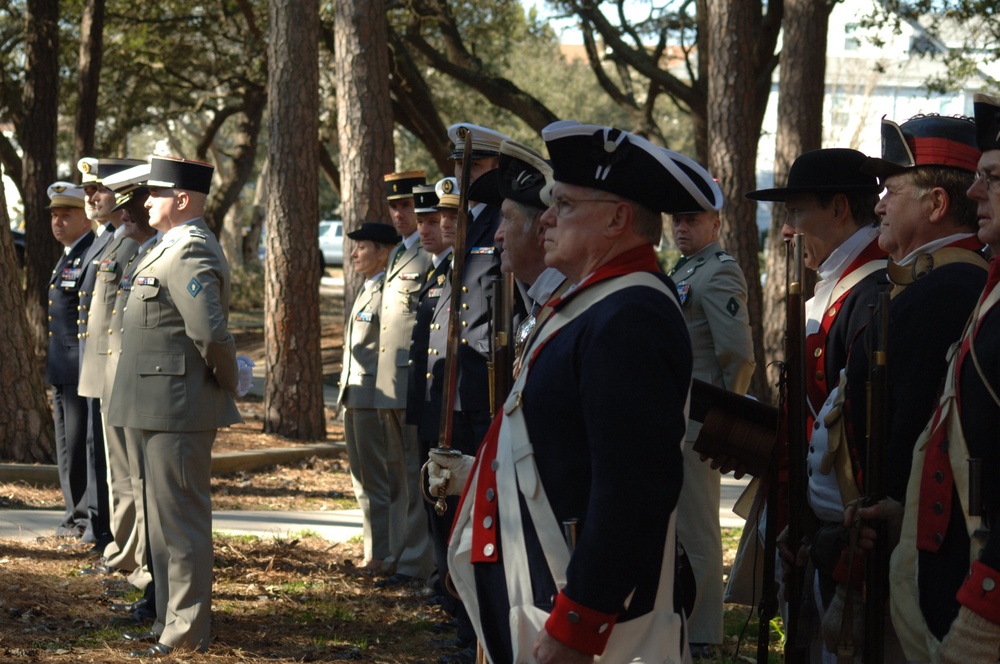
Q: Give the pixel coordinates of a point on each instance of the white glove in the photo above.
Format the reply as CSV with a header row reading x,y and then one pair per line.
x,y
448,471
246,366
971,638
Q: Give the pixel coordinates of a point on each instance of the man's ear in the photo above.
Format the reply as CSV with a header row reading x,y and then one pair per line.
x,y
622,216
940,204
183,199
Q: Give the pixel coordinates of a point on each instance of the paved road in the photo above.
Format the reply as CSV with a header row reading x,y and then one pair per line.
x,y
334,525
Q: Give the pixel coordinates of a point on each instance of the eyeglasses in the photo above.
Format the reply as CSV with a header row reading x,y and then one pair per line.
x,y
988,179
564,206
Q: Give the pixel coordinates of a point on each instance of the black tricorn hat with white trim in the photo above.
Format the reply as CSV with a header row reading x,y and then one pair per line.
x,y
176,173
523,174
629,166
987,111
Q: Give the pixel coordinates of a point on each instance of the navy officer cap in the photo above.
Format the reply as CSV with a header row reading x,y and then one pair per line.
x,y
629,166
176,173
376,232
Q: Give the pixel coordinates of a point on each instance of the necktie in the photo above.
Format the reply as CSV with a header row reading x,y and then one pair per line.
x,y
395,258
678,265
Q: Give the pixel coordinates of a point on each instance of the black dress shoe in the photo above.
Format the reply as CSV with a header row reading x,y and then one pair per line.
x,y
98,569
130,606
117,584
159,650
394,580
136,637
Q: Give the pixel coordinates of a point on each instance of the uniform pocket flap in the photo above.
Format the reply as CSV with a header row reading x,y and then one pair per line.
x,y
167,364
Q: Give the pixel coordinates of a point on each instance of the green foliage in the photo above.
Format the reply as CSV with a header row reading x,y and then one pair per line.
x,y
247,293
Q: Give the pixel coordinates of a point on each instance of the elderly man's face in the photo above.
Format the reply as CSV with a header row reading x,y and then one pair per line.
x,y
575,229
521,238
903,209
403,216
985,190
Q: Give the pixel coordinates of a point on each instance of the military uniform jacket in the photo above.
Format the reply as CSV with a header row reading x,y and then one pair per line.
x,y
482,268
62,362
95,353
604,457
116,325
178,367
924,320
399,314
423,408
92,261
713,296
361,349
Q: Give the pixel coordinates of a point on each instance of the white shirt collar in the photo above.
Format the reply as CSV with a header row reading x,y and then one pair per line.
x,y
931,247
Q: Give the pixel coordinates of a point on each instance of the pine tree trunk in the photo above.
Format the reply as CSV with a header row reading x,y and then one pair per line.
x,y
364,118
800,126
293,393
732,146
26,429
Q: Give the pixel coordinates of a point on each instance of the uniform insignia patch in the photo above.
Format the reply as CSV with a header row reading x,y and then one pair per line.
x,y
146,281
410,276
733,307
364,317
109,265
194,287
483,251
683,292
125,285
724,257
198,233
434,292
441,279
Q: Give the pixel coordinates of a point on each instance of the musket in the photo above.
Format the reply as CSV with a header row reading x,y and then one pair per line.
x,y
797,441
876,560
454,322
501,362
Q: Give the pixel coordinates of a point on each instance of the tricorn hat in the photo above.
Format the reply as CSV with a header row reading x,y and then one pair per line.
x,y
926,140
95,171
621,163
400,185
176,173
486,188
523,174
485,142
376,232
987,111
827,171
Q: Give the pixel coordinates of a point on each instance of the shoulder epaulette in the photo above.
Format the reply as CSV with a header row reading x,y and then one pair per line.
x,y
724,257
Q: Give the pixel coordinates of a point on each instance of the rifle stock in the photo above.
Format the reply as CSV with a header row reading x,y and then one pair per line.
x,y
797,441
501,364
876,560
454,323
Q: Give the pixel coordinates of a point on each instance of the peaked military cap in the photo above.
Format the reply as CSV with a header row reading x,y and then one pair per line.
x,y
523,174
96,170
66,195
627,165
128,183
376,232
425,199
400,185
447,193
831,170
926,140
176,173
485,142
987,111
